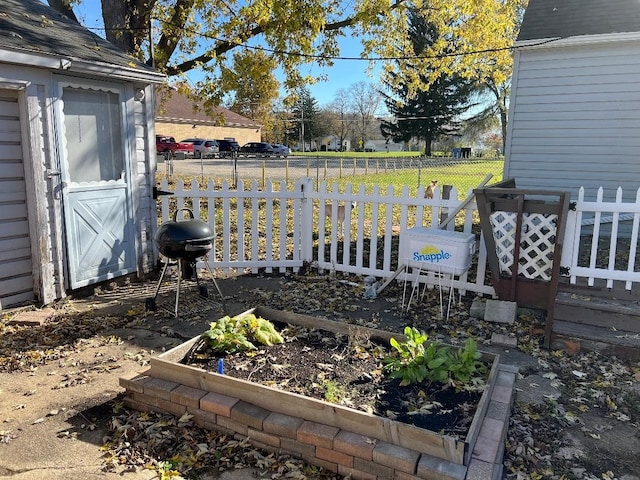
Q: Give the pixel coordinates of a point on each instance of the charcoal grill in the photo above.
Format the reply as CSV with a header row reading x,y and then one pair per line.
x,y
183,243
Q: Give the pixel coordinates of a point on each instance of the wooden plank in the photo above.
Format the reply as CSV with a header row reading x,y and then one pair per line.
x,y
14,254
14,243
11,152
15,228
14,269
12,197
16,298
12,185
483,405
14,286
430,443
612,315
9,106
464,203
15,211
606,338
323,324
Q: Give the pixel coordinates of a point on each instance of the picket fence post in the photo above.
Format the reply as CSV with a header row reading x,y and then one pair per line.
x,y
306,220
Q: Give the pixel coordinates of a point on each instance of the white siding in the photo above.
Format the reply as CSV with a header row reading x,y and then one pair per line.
x,y
144,167
575,118
16,280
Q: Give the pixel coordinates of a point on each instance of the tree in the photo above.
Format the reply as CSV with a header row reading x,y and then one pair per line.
x,y
427,113
365,102
200,34
475,43
306,116
339,117
254,87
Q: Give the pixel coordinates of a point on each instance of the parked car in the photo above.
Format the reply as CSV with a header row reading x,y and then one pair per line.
x,y
227,147
281,150
203,148
258,149
166,144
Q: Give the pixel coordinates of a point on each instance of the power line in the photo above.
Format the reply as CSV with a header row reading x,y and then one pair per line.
x,y
330,57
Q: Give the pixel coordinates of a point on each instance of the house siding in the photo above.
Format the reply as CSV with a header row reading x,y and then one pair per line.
x,y
16,280
145,208
575,118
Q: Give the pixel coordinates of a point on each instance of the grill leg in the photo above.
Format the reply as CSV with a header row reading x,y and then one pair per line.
x,y
164,270
150,303
175,311
213,279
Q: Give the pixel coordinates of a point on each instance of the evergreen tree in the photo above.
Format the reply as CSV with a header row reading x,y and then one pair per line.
x,y
306,115
427,113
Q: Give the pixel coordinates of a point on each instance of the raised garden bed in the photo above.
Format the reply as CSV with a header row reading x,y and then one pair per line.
x,y
341,439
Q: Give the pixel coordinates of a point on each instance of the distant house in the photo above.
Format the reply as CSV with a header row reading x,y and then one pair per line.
x,y
574,115
175,116
77,157
382,146
331,143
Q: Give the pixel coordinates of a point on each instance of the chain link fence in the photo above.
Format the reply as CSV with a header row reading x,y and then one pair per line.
x,y
461,173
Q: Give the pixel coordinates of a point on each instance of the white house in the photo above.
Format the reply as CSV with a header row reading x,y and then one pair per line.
x,y
331,143
77,157
382,146
574,116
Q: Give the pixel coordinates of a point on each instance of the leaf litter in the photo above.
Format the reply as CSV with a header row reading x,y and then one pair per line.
x,y
601,398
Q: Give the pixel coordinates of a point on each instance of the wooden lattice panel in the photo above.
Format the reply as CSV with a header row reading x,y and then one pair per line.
x,y
537,242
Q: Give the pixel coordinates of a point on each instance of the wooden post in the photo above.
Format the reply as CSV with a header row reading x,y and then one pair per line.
x,y
446,195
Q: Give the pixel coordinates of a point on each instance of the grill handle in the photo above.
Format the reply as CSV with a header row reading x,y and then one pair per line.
x,y
175,215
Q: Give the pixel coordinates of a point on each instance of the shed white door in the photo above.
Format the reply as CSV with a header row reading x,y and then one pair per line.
x,y
16,279
96,191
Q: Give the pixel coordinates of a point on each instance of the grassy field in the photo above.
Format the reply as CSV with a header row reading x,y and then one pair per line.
x,y
357,154
411,173
461,176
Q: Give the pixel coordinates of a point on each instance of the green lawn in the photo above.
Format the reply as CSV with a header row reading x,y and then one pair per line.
x,y
461,176
357,154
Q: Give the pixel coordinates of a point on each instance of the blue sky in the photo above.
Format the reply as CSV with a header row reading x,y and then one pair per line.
x,y
343,74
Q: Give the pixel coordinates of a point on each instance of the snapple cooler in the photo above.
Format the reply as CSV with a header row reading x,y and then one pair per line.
x,y
437,250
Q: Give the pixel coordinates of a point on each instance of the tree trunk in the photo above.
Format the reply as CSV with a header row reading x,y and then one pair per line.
x,y
116,15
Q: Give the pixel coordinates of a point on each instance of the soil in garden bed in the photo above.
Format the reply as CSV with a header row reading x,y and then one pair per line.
x,y
346,370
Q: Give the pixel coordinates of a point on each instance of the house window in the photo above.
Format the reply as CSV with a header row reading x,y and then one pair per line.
x,y
93,134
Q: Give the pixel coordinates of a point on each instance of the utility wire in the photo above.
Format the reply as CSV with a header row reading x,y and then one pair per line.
x,y
330,57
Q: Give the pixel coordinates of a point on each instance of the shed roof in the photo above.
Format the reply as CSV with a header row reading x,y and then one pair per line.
x,y
175,107
570,18
31,28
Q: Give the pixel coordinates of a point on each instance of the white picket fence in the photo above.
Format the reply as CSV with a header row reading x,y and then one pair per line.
x,y
601,240
276,229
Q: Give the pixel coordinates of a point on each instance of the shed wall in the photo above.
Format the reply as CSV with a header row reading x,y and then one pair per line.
x,y
575,118
144,168
16,279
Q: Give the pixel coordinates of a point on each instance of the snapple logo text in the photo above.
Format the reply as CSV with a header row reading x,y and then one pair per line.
x,y
430,254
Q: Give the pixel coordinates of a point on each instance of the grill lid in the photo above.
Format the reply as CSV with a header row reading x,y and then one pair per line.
x,y
187,239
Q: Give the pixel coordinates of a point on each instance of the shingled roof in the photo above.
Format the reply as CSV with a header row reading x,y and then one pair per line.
x,y
30,28
175,107
545,19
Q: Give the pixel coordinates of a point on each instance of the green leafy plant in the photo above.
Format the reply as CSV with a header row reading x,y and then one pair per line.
x,y
412,362
465,364
232,334
408,362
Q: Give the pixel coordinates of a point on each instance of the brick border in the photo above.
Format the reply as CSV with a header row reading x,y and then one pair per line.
x,y
334,449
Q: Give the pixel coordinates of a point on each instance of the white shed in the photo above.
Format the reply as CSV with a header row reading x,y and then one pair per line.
x,y
574,115
77,157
